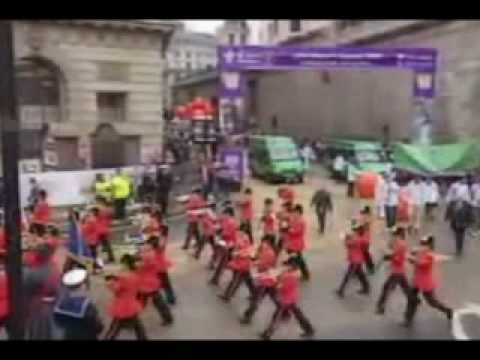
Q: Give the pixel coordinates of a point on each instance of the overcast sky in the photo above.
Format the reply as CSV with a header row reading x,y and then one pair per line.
x,y
210,26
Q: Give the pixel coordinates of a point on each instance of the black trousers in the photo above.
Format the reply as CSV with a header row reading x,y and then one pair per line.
x,y
256,300
368,259
107,247
159,304
162,201
350,189
119,206
224,256
192,231
322,220
390,284
247,224
284,311
237,279
118,325
391,216
354,270
168,288
459,240
430,298
301,264
204,240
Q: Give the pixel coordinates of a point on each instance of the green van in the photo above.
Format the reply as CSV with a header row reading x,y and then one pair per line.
x,y
275,158
365,155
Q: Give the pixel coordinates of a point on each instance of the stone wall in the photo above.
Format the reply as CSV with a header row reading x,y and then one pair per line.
x,y
359,103
81,53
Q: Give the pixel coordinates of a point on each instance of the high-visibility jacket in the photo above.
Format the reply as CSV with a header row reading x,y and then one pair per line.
x,y
120,187
103,188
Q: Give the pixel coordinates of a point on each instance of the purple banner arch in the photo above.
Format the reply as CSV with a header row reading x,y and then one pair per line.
x,y
234,61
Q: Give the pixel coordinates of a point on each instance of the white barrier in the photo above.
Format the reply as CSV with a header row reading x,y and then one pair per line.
x,y
66,188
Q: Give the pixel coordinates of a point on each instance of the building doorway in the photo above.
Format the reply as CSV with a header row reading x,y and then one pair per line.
x,y
108,150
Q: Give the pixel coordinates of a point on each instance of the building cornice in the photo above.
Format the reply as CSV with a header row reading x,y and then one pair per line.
x,y
165,27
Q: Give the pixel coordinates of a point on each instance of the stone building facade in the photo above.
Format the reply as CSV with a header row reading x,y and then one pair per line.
x,y
360,102
94,86
188,52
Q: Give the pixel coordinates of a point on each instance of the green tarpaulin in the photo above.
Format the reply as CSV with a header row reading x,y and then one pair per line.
x,y
438,160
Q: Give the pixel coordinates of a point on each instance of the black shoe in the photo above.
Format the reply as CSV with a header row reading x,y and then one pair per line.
x,y
265,336
167,322
245,321
380,311
307,334
340,294
223,297
407,324
363,292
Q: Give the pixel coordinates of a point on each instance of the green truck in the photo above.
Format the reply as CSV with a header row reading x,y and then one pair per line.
x,y
362,154
275,159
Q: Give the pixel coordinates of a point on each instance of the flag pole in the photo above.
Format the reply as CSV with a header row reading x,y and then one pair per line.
x,y
10,149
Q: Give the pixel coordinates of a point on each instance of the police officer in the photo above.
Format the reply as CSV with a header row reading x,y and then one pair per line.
x,y
103,187
121,192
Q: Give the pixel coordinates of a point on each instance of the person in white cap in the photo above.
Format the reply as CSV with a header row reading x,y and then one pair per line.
x,y
76,313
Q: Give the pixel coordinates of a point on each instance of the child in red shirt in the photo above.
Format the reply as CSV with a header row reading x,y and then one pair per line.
x,y
208,222
41,212
195,203
90,230
288,290
269,220
354,245
246,212
295,239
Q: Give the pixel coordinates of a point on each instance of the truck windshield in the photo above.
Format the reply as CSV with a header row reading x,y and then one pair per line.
x,y
369,156
283,153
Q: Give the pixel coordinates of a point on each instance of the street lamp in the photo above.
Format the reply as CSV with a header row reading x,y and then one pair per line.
x,y
10,142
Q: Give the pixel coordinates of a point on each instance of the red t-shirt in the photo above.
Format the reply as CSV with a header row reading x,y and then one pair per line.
x,y
125,303
3,241
247,209
269,223
399,257
148,272
288,288
241,260
266,258
90,231
209,223
104,221
4,308
195,202
41,213
423,277
229,230
296,235
355,250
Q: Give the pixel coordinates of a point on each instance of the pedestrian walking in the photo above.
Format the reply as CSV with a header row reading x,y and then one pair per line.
x,y
195,203
355,257
246,212
264,278
397,258
240,265
150,284
424,261
322,202
159,244
365,231
416,193
295,240
392,193
125,306
104,218
289,295
228,230
351,176
431,194
208,224
76,313
459,214
269,221
121,191
42,211
283,218
338,167
164,182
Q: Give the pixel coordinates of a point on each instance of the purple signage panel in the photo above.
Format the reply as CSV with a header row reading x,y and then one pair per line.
x,y
234,160
235,59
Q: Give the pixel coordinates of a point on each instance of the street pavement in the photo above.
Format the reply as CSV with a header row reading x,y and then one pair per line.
x,y
199,314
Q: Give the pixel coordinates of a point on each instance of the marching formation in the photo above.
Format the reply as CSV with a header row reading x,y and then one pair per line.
x,y
267,257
